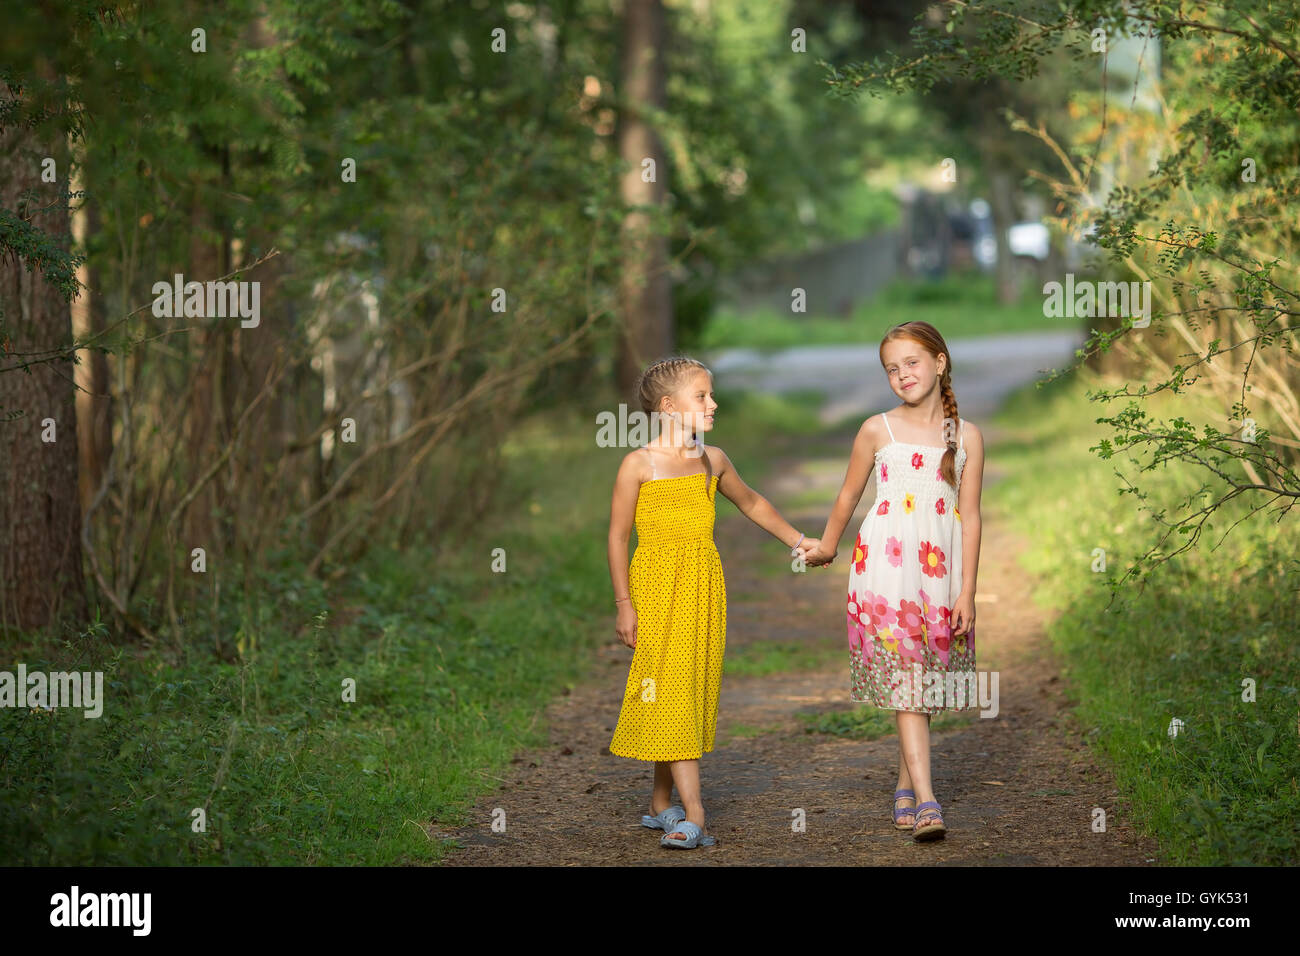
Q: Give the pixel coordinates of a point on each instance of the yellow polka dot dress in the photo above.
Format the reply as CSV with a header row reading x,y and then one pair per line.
x,y
670,704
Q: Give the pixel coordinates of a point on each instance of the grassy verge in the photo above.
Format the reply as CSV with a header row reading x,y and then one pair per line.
x,y
265,760
964,306
1212,622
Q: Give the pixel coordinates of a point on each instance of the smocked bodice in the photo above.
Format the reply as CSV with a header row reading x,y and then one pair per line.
x,y
904,469
675,512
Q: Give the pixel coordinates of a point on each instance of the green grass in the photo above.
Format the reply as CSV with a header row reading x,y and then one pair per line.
x,y
449,672
742,731
764,658
961,306
1224,790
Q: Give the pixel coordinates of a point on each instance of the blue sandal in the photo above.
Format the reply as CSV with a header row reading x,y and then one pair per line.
x,y
932,831
693,839
904,811
664,819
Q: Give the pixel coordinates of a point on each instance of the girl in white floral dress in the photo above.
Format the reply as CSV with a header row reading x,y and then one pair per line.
x,y
911,589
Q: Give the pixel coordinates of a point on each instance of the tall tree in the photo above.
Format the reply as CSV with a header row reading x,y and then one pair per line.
x,y
40,513
646,288
94,402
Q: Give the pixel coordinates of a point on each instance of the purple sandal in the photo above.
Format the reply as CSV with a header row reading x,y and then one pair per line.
x,y
903,811
932,831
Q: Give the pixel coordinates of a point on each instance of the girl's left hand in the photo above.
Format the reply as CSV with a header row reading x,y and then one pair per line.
x,y
963,614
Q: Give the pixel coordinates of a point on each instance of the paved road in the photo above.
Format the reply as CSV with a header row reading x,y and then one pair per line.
x,y
985,370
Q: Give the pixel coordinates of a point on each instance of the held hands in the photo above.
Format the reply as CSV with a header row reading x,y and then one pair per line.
x,y
812,552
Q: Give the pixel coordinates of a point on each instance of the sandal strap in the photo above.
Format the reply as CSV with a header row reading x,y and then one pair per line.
x,y
664,817
687,829
904,811
929,810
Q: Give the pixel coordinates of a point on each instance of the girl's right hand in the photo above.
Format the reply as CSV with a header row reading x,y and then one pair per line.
x,y
819,557
625,627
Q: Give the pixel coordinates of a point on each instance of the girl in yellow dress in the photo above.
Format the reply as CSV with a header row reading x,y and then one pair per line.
x,y
672,600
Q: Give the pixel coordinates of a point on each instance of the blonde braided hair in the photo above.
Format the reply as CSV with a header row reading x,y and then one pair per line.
x,y
663,378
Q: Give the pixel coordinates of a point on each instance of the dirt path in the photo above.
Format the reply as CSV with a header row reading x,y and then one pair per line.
x,y
1016,789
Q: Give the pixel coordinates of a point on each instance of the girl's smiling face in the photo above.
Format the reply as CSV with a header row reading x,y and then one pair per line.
x,y
912,370
693,401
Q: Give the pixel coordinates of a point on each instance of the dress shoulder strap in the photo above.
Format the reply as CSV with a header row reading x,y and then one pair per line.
x,y
961,434
891,431
653,474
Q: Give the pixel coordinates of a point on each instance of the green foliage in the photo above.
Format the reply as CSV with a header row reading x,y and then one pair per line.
x,y
1211,223
37,250
1222,791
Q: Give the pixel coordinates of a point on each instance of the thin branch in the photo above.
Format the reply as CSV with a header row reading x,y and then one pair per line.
x,y
53,355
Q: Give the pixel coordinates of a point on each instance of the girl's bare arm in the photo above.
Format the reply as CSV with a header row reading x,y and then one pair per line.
x,y
622,512
861,461
968,503
751,504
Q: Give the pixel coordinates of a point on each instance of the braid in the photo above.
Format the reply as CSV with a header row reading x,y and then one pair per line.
x,y
663,378
951,428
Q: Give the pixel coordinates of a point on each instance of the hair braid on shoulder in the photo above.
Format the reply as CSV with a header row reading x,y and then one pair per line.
x,y
949,463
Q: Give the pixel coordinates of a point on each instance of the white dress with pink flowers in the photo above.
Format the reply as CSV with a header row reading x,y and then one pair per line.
x,y
904,579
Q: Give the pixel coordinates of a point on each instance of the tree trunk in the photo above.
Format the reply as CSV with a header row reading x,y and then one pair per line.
x,y
646,289
40,513
94,401
210,386
1002,203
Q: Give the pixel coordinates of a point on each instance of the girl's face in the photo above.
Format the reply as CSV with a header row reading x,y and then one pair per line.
x,y
693,402
913,372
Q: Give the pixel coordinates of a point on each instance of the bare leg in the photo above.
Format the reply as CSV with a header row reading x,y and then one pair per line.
x,y
686,774
661,797
914,742
904,782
